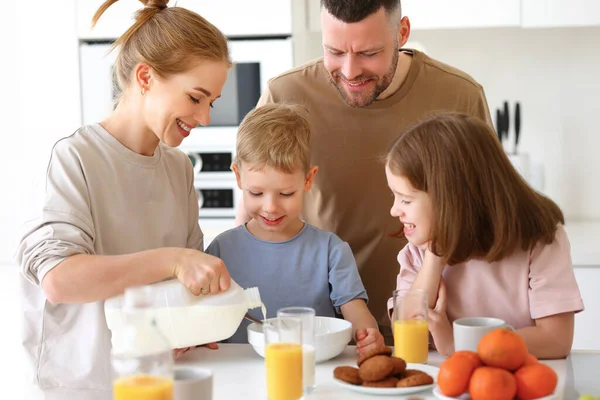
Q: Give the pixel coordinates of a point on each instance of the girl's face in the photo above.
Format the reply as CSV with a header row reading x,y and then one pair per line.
x,y
176,104
412,207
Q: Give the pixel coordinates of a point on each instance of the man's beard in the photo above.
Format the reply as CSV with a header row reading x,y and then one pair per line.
x,y
380,86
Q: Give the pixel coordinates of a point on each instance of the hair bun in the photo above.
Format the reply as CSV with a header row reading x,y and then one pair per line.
x,y
158,4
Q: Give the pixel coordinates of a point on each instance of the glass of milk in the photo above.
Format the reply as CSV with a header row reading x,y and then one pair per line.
x,y
307,316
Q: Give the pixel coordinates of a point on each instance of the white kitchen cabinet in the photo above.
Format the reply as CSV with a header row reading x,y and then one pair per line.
x,y
245,18
587,323
443,14
233,17
560,13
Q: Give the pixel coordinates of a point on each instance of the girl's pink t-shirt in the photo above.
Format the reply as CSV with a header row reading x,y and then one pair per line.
x,y
518,289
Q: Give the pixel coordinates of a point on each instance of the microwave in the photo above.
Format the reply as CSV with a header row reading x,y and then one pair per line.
x,y
255,61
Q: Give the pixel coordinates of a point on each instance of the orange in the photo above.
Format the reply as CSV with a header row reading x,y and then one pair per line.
x,y
535,381
453,377
470,355
502,348
490,383
530,360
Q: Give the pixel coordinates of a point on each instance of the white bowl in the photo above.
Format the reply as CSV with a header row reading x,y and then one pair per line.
x,y
332,335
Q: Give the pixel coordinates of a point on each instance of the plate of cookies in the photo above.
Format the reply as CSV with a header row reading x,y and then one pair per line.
x,y
381,374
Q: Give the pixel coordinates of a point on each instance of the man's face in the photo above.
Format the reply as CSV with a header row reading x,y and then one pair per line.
x,y
361,57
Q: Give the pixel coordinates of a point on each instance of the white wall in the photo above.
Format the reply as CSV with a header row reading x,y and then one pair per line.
x,y
42,104
554,74
39,103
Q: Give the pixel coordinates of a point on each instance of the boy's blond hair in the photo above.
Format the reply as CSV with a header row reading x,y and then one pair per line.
x,y
275,136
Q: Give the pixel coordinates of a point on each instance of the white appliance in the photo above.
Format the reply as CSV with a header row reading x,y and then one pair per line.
x,y
211,148
273,55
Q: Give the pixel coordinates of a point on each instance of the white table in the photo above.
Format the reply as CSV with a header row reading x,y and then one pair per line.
x,y
239,373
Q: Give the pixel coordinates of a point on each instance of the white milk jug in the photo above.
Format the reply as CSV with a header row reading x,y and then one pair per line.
x,y
187,320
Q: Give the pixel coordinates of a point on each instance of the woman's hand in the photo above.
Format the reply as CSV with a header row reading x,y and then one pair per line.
x,y
368,339
201,273
439,325
179,352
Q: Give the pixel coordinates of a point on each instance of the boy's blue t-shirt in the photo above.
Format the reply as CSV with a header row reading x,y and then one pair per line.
x,y
314,269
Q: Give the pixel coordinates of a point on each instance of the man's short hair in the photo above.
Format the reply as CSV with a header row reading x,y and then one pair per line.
x,y
350,11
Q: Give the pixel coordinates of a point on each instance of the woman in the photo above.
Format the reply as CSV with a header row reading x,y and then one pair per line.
x,y
481,241
120,207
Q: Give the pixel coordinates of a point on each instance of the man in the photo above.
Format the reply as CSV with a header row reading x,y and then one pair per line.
x,y
361,95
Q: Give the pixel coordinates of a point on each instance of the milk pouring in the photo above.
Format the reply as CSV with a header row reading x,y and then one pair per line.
x,y
187,320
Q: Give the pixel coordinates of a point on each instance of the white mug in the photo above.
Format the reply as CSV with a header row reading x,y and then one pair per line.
x,y
468,331
193,383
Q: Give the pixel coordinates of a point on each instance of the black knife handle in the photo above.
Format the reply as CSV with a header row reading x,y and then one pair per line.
x,y
499,122
517,123
506,116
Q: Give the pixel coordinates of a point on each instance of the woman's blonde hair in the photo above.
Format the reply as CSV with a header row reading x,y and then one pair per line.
x,y
482,207
275,136
169,39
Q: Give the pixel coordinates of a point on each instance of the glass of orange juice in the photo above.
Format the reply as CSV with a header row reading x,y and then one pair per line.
x,y
143,387
410,327
283,358
307,315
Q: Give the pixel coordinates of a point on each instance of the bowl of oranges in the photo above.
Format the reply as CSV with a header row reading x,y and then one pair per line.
x,y
502,367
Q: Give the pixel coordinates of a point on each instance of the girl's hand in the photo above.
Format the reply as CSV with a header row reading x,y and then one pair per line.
x,y
368,339
439,325
433,261
201,273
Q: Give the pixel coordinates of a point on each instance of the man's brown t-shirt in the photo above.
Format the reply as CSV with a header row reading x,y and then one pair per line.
x,y
350,196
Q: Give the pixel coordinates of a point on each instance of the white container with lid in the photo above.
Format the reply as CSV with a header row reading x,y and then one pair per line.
x,y
187,320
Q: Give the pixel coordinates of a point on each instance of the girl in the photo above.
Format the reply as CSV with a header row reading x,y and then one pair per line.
x,y
481,242
120,207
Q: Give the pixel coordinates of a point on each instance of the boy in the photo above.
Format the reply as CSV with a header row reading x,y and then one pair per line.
x,y
291,262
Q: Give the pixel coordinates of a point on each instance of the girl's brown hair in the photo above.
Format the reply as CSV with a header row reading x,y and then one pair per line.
x,y
169,39
482,207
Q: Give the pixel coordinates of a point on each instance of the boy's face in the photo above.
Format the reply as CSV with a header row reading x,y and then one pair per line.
x,y
273,199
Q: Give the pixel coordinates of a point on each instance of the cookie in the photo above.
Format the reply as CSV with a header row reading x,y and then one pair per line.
x,y
381,351
389,382
399,366
376,368
415,380
347,374
410,372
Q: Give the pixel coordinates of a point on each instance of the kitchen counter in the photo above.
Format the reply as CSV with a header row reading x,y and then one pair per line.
x,y
240,373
